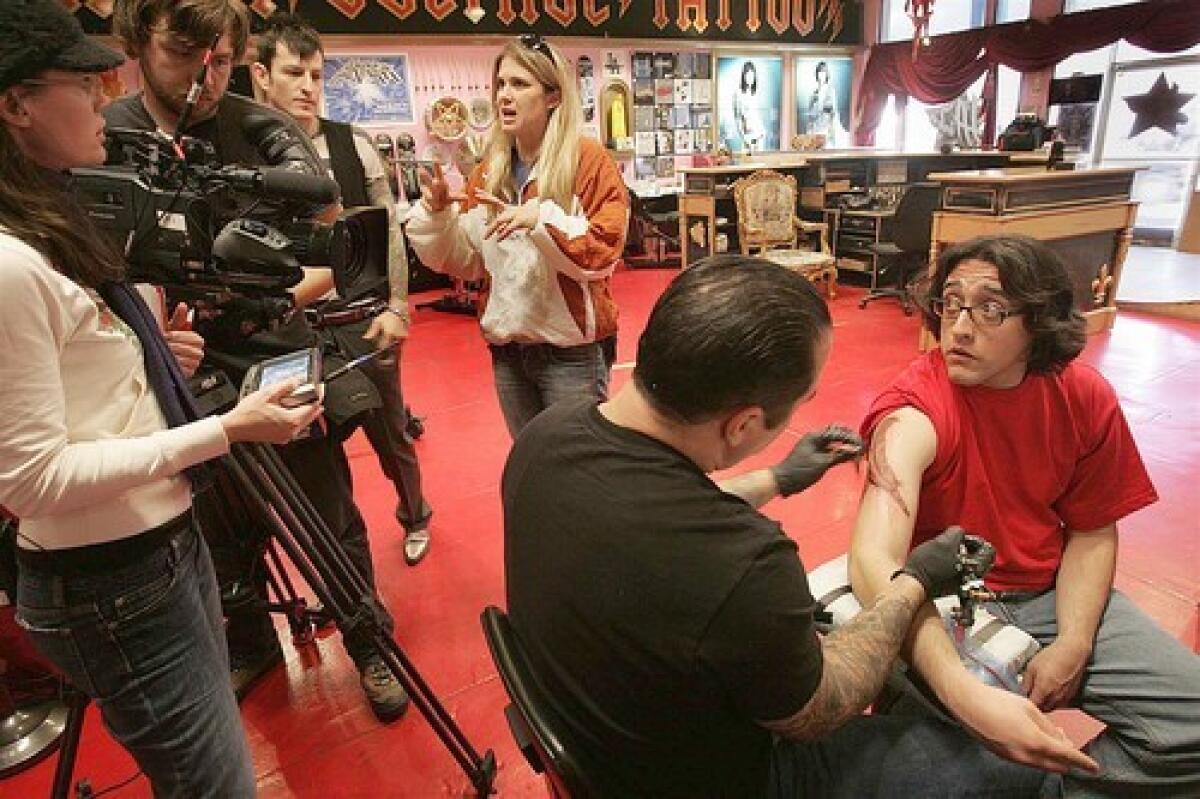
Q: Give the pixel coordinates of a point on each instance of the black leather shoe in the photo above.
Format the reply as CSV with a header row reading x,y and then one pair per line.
x,y
416,545
247,668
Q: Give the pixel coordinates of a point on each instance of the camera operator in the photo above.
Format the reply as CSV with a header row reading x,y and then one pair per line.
x,y
288,77
170,38
115,585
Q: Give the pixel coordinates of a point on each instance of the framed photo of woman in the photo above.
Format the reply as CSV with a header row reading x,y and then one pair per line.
x,y
749,102
823,97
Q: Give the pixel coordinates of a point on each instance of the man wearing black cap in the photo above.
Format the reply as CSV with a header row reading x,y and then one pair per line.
x,y
170,39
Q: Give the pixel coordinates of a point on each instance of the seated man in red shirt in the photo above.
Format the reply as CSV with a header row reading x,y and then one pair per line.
x,y
1001,431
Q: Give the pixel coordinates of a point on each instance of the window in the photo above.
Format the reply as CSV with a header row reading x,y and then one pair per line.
x,y
1072,6
949,16
886,134
895,24
915,131
1165,147
920,134
1012,11
1077,122
1008,95
1127,52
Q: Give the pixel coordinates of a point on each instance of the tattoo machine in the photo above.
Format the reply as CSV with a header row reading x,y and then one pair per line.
x,y
975,559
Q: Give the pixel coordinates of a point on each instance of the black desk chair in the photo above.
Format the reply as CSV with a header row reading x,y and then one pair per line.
x,y
908,250
538,729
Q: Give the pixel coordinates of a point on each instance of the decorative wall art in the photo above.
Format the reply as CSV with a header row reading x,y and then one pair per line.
x,y
365,90
749,102
822,90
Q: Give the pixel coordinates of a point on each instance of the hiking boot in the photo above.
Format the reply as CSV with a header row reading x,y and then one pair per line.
x,y
247,667
387,697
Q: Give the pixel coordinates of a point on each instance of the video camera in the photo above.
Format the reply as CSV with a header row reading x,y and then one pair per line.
x,y
225,237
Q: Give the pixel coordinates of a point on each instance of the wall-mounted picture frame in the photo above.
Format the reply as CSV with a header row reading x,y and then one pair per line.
x,y
749,102
369,89
822,90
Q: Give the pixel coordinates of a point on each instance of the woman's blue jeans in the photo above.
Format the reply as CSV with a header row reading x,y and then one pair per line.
x,y
145,642
532,377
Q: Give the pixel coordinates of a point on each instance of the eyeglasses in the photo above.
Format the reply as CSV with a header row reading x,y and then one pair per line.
x,y
987,314
534,41
89,84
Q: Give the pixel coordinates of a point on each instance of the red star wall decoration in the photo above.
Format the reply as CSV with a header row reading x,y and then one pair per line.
x,y
1159,107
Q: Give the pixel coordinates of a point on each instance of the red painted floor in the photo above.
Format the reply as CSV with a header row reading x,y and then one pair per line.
x,y
311,732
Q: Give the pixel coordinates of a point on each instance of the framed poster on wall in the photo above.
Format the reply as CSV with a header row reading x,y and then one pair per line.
x,y
823,97
749,102
368,89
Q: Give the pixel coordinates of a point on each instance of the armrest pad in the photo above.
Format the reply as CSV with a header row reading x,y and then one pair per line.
x,y
997,652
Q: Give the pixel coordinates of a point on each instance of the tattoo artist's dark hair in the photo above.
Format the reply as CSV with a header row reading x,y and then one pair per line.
x,y
731,332
290,29
1036,282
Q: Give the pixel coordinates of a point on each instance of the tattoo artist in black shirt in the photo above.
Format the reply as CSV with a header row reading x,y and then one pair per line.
x,y
670,621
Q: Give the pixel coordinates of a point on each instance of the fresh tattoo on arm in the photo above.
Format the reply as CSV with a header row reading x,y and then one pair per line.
x,y
858,659
880,472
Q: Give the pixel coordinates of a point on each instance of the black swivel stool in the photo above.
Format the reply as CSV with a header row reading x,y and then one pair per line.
x,y
908,249
539,730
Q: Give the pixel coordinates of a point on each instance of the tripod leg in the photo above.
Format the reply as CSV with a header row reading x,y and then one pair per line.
x,y
287,601
324,564
77,702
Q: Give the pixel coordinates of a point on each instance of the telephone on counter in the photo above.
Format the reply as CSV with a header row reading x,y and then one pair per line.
x,y
1026,132
855,201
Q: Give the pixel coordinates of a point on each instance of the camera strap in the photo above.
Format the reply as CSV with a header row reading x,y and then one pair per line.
x,y
162,370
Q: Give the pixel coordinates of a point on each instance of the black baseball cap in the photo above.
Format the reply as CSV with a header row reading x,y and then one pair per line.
x,y
36,35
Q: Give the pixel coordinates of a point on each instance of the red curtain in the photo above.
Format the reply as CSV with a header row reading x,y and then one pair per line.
x,y
951,63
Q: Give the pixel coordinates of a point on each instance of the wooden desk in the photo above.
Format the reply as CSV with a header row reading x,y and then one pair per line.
x,y
1086,216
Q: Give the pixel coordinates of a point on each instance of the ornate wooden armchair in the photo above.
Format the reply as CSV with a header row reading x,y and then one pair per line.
x,y
766,210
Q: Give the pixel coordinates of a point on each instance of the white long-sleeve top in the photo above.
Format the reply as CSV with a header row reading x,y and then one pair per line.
x,y
85,454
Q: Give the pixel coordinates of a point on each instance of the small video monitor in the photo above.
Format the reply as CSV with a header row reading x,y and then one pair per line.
x,y
305,364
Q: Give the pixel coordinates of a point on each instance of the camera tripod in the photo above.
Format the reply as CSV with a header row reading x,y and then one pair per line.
x,y
345,595
270,491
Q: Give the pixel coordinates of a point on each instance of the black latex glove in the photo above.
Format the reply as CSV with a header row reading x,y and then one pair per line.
x,y
935,563
813,455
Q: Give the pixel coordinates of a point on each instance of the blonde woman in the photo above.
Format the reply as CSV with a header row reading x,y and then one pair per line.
x,y
541,222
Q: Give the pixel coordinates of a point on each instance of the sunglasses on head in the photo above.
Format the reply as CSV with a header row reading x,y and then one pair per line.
x,y
534,41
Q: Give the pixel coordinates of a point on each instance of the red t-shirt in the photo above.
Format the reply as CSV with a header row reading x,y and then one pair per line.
x,y
1018,466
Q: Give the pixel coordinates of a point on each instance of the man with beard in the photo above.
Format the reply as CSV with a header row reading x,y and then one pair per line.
x,y
170,39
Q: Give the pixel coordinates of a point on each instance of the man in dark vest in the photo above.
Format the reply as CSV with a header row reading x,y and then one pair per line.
x,y
171,39
288,77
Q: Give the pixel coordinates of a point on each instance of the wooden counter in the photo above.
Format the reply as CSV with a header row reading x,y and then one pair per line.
x,y
817,168
821,177
1085,215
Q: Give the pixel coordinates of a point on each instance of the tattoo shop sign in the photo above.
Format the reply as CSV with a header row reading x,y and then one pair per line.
x,y
834,22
